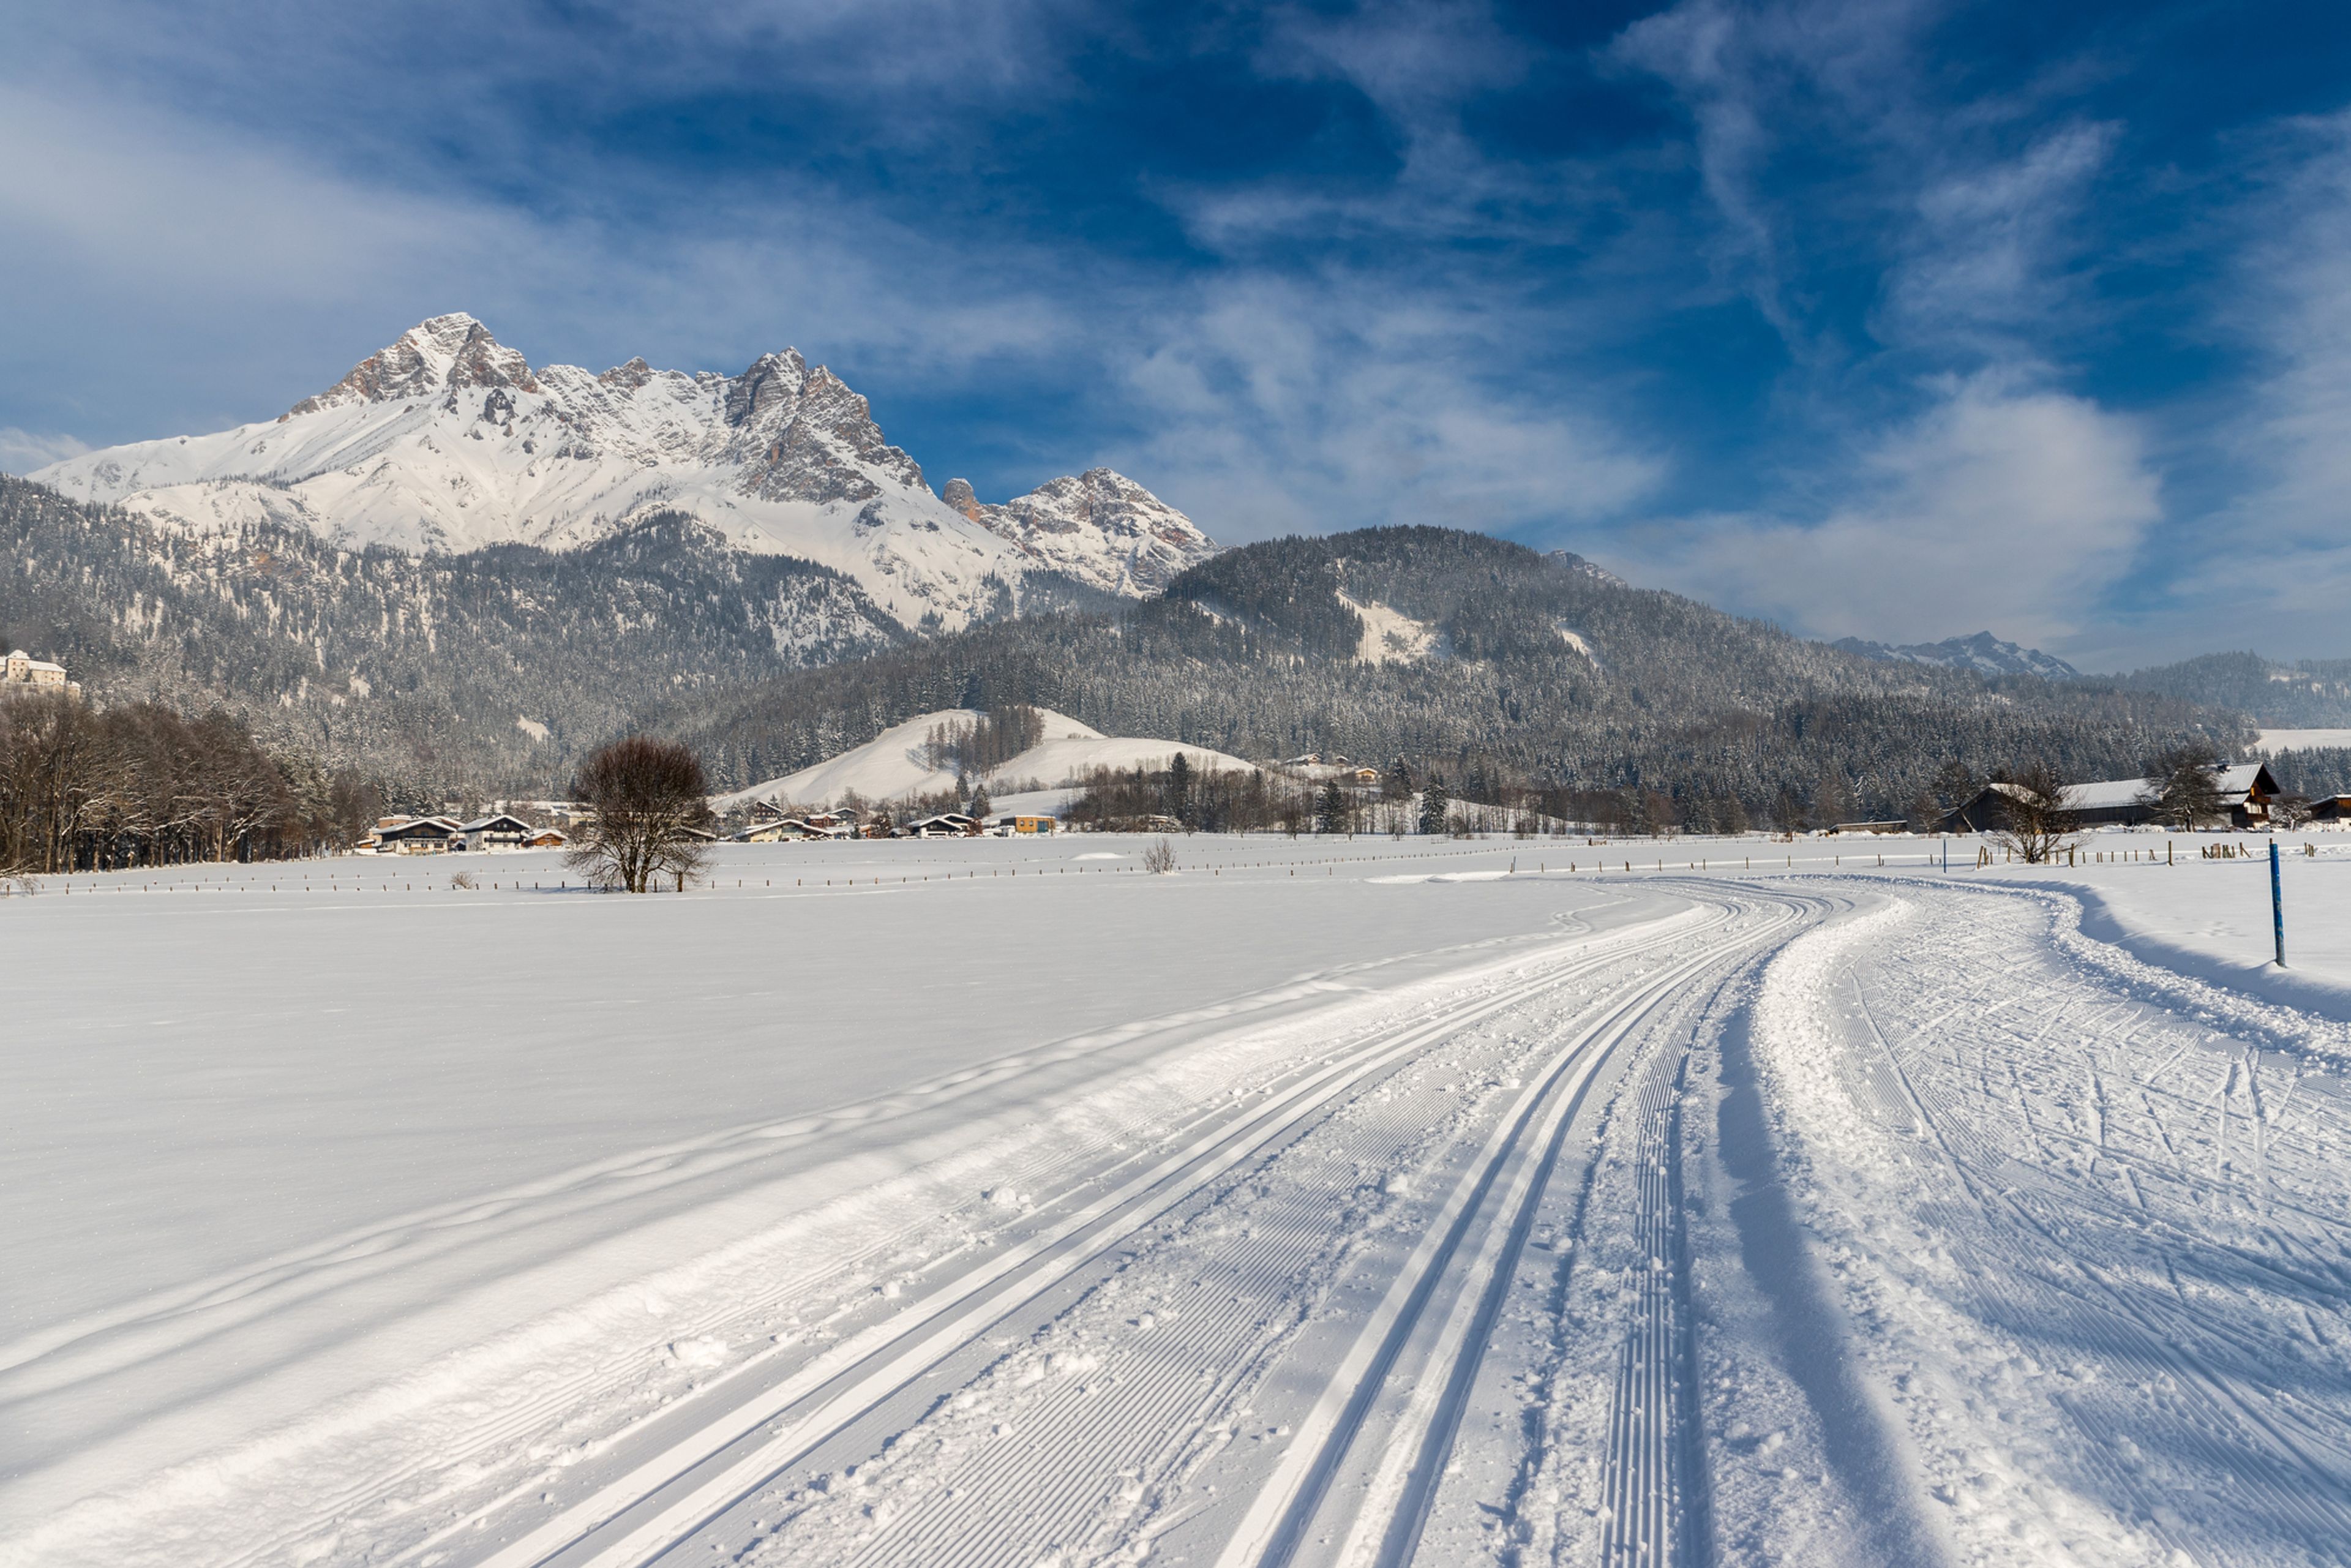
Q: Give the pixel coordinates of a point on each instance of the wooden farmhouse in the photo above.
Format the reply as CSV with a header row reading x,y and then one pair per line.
x,y
946,825
418,836
781,830
2245,792
498,831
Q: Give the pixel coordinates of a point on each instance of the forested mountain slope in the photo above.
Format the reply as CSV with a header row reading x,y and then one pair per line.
x,y
2312,694
489,669
1474,658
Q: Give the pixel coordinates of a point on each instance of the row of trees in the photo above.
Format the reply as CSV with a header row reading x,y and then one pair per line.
x,y
82,789
1211,801
144,785
2037,818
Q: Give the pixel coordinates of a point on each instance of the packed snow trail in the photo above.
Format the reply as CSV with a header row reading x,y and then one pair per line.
x,y
2093,1219
666,1501
1844,1220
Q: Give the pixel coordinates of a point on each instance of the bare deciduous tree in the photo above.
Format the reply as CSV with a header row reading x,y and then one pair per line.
x,y
2040,821
647,795
1159,859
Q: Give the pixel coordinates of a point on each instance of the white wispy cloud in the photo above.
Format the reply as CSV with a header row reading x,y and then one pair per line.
x,y
21,451
2002,507
2276,558
1463,332
261,273
1288,406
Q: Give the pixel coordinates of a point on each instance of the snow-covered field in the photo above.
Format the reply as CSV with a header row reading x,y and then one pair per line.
x,y
2275,740
1349,1201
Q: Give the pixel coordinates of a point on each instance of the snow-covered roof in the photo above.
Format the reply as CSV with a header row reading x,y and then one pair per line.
x,y
492,822
410,826
2108,794
2235,783
2114,794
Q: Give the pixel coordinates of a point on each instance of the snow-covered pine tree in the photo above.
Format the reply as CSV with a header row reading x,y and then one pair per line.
x,y
1436,807
1333,812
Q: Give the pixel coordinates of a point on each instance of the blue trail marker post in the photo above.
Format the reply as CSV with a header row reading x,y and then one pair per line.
x,y
2277,905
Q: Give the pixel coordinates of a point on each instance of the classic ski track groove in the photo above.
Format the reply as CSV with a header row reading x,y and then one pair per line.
x,y
1287,1506
600,1377
1651,1467
642,1504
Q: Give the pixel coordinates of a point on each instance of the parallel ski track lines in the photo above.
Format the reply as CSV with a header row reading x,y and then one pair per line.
x,y
1650,1483
1289,1504
1127,1432
664,1499
589,1380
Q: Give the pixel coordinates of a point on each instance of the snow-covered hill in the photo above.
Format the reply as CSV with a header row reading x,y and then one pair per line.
x,y
447,440
895,764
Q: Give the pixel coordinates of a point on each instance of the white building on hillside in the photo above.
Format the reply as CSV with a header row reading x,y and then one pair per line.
x,y
20,671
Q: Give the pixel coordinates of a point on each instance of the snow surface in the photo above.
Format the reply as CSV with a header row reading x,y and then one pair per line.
x,y
1390,636
893,766
2212,917
2275,740
1362,1200
1033,803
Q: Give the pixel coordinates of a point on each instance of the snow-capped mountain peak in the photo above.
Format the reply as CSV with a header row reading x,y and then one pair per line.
x,y
1069,525
1983,654
449,351
446,440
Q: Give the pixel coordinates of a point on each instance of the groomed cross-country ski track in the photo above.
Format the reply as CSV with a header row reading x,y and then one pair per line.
x,y
1811,1219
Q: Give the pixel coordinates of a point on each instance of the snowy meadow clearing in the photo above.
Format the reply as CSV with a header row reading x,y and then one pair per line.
x,y
1355,1201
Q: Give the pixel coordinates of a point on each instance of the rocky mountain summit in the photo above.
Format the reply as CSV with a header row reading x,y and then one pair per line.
x,y
447,442
1982,654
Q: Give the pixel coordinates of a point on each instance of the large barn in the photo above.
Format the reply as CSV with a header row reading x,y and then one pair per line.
x,y
2245,791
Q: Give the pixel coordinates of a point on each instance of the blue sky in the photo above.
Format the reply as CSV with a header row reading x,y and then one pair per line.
x,y
1903,320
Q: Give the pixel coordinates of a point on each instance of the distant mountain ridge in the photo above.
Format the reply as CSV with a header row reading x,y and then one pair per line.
x,y
447,441
1461,653
1471,657
1983,654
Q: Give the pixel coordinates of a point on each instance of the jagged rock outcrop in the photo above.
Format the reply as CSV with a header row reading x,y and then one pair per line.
x,y
447,440
1079,526
1983,654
